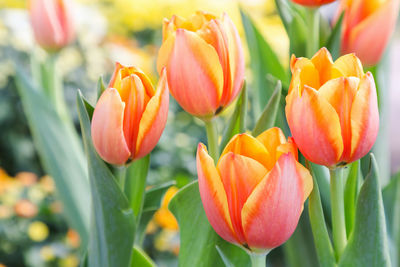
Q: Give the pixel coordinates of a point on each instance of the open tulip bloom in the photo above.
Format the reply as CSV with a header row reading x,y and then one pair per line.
x,y
130,116
254,196
332,108
204,59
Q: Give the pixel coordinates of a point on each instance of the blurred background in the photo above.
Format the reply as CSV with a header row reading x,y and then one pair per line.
x,y
32,228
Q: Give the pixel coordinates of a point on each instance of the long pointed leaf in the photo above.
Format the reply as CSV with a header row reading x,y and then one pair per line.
x,y
334,42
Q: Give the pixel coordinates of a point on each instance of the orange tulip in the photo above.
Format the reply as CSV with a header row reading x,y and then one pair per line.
x,y
367,27
130,116
332,108
255,195
313,3
204,60
52,23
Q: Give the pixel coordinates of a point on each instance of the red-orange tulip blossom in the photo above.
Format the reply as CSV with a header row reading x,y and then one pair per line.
x,y
313,3
52,23
130,116
367,27
204,60
332,108
255,195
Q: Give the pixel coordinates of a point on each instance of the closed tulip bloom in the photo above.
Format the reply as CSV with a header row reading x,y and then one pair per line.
x,y
255,195
367,27
52,23
130,116
332,108
313,3
204,60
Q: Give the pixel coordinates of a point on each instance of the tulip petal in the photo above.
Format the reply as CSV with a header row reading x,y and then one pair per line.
x,y
213,196
248,146
347,66
107,128
340,93
271,213
165,51
370,37
364,118
195,76
239,175
236,59
322,61
306,178
304,73
153,120
315,126
272,139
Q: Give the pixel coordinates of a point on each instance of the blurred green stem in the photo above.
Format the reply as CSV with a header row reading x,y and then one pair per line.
x,y
212,138
337,203
258,260
120,175
313,27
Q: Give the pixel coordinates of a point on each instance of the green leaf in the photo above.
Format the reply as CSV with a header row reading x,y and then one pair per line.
x,y
113,222
323,245
101,87
135,184
268,117
60,152
263,61
151,204
322,177
198,239
334,42
350,195
368,245
232,255
141,259
391,200
237,122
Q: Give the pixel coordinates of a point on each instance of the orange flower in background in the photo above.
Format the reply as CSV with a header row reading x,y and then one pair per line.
x,y
130,116
313,3
255,195
367,27
52,23
332,108
203,56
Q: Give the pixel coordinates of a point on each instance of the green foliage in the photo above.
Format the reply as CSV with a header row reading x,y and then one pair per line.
x,y
334,42
350,195
140,258
112,221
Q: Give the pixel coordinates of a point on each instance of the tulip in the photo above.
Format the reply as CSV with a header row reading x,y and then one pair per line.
x,y
204,60
367,27
52,23
130,116
255,195
332,108
313,3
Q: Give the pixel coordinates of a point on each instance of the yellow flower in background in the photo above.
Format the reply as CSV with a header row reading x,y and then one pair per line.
x,y
38,231
47,253
163,216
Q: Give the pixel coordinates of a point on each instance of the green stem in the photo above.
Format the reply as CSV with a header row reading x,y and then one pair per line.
x,y
258,260
337,203
313,27
212,138
120,175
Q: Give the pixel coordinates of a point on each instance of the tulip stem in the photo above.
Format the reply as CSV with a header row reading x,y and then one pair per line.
x,y
337,203
212,138
313,26
258,260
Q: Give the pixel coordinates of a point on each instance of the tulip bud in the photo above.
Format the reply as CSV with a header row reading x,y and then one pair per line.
x,y
367,27
130,116
332,108
52,23
204,60
313,3
255,195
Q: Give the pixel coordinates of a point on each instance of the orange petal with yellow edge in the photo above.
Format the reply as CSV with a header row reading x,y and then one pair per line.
x,y
304,73
315,127
107,128
213,196
271,213
306,179
272,139
322,61
153,120
346,66
195,76
364,118
248,146
239,175
340,93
